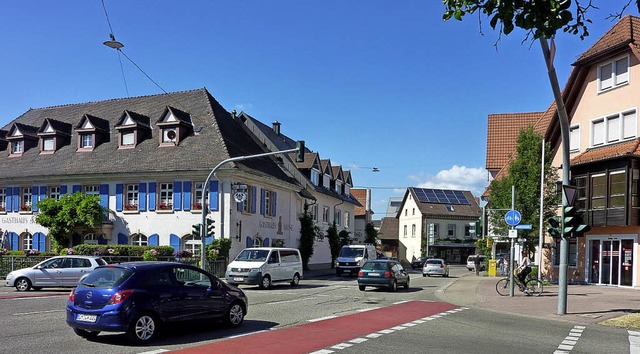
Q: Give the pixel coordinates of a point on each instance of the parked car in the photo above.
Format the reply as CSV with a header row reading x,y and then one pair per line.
x,y
419,262
59,271
471,262
383,273
435,266
139,297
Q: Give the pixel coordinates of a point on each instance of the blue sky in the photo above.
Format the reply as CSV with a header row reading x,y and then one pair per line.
x,y
366,84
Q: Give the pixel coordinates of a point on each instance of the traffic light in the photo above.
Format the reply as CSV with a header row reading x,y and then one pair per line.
x,y
573,224
210,227
554,226
300,152
489,242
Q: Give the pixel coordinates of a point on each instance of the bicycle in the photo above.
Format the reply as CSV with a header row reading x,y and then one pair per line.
x,y
531,287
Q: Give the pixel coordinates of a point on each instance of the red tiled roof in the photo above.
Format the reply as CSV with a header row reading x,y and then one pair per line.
x,y
627,148
620,35
502,135
361,196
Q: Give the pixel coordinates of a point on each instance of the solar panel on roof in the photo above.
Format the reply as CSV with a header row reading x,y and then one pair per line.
x,y
440,196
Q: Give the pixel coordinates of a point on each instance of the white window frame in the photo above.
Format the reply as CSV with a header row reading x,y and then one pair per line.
x,y
48,143
26,197
86,140
192,243
315,177
325,214
27,241
247,203
404,231
616,79
54,193
574,138
3,199
128,138
17,147
165,194
336,217
622,123
91,189
413,230
347,219
313,211
132,196
451,230
139,240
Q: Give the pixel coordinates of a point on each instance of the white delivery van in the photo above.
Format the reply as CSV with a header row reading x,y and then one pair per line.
x,y
352,257
264,266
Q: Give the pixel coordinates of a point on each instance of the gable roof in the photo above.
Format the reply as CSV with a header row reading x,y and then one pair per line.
x,y
502,135
60,128
441,210
361,197
389,228
626,31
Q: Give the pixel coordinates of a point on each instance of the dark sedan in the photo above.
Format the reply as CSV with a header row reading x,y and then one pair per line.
x,y
383,274
138,297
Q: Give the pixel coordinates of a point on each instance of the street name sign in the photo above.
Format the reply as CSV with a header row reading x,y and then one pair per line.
x,y
524,227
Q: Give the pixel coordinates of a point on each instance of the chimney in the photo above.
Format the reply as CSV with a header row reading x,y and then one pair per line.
x,y
233,114
276,127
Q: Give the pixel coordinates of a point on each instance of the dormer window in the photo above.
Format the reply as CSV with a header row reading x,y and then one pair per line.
x,y
174,125
86,141
169,136
17,147
21,137
92,131
53,135
127,139
48,144
132,128
315,177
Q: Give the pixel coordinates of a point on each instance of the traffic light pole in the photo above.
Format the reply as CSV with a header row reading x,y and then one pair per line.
x,y
203,231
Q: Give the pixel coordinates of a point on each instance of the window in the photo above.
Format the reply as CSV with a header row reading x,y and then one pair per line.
x,y
17,147
91,239
581,192
613,128
436,230
86,141
347,219
613,74
131,201
467,230
413,211
268,203
405,231
313,210
27,241
618,182
573,252
48,144
165,197
198,188
413,230
574,138
339,187
169,135
315,177
26,199
598,191
128,138
451,230
54,193
336,217
247,204
91,190
406,212
325,214
139,240
193,244
3,199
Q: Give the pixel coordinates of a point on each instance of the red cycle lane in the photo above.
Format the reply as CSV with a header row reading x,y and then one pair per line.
x,y
313,336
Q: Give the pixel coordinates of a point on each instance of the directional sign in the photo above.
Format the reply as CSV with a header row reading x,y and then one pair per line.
x,y
513,217
524,227
513,233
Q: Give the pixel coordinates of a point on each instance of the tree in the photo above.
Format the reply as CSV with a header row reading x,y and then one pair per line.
x,y
372,234
69,212
541,19
308,233
344,237
334,242
524,174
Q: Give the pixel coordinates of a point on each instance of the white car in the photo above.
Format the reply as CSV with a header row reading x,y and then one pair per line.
x,y
59,271
435,266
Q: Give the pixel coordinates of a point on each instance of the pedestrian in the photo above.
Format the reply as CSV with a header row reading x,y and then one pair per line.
x,y
501,265
476,263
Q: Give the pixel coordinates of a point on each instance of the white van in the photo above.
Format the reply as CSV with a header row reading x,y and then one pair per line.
x,y
264,266
352,257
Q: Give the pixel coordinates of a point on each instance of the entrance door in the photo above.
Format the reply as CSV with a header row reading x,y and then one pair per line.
x,y
611,262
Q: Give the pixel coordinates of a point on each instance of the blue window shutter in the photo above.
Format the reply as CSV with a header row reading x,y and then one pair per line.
x,y
15,241
16,198
249,241
122,239
63,190
174,241
142,196
34,198
177,195
153,240
265,243
76,188
275,203
43,193
152,196
42,242
119,189
186,192
9,201
254,198
104,196
262,205
213,195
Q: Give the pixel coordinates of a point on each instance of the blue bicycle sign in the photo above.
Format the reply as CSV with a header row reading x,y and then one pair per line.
x,y
513,217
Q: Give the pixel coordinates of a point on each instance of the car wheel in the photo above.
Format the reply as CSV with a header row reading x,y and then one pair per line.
x,y
296,280
394,286
338,272
446,274
266,282
86,334
142,329
406,285
23,284
424,275
361,287
235,315
428,275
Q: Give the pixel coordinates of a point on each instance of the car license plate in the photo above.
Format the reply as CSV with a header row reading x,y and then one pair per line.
x,y
86,318
238,279
374,274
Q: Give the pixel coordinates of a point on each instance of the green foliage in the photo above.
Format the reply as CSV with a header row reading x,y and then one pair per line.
x,y
71,211
371,234
542,19
150,255
118,250
308,234
344,237
524,174
219,248
334,242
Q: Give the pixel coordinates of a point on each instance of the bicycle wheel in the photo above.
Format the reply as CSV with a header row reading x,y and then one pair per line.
x,y
534,287
502,287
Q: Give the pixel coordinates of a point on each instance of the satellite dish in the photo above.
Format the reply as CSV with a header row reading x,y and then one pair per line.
x,y
171,134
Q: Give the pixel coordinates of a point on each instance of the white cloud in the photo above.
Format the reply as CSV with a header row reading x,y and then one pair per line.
x,y
243,107
457,177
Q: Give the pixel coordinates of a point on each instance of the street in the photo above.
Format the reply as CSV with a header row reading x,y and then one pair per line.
x,y
332,312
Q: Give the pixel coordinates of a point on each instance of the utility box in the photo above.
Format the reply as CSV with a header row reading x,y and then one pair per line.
x,y
492,267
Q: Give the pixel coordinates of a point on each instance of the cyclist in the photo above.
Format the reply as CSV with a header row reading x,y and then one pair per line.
x,y
525,267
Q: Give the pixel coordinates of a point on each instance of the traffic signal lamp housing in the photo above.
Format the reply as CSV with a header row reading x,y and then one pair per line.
x,y
300,152
573,224
554,226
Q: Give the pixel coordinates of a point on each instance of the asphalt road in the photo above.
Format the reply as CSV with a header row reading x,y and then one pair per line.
x,y
36,324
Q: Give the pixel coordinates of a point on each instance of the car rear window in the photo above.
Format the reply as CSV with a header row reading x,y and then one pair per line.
x,y
106,277
433,261
375,266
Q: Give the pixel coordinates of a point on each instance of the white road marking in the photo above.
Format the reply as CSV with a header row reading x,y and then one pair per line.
x,y
358,340
36,312
367,309
634,342
570,341
155,351
322,351
322,318
342,346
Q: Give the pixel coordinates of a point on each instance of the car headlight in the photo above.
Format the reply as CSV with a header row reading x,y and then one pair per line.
x,y
254,270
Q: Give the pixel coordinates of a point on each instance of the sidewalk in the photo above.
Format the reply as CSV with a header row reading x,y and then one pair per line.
x,y
585,303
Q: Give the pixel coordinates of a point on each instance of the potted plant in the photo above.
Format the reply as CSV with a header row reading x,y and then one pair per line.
x,y
165,206
25,208
131,207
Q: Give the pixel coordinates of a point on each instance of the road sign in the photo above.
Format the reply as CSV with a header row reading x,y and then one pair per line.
x,y
513,217
513,233
524,227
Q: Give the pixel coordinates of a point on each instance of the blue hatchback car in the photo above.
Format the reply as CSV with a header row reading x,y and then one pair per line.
x,y
139,297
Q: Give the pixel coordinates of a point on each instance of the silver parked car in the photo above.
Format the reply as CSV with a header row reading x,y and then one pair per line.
x,y
435,266
59,271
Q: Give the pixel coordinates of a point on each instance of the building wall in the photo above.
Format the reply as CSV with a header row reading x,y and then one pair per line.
x,y
410,216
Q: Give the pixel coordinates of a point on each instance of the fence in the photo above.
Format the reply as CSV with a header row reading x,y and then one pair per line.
x,y
11,263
